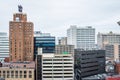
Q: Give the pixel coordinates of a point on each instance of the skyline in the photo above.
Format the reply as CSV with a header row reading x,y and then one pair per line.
x,y
48,15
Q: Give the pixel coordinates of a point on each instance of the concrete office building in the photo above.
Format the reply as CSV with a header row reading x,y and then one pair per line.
x,y
64,49
112,52
18,71
58,67
55,66
21,38
4,46
62,41
44,41
83,38
107,38
88,63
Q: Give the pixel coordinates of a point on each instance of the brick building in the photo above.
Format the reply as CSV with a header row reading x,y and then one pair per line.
x,y
21,38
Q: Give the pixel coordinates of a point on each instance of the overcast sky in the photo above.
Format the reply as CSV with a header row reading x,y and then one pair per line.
x,y
56,16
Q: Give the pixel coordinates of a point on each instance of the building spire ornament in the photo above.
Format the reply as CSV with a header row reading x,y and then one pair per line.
x,y
20,8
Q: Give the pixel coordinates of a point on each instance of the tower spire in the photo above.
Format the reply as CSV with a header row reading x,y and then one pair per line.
x,y
20,8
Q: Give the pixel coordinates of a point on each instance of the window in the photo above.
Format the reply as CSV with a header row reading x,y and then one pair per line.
x,y
20,72
8,76
20,76
25,76
12,74
25,72
17,19
30,72
3,71
24,66
7,72
16,72
30,76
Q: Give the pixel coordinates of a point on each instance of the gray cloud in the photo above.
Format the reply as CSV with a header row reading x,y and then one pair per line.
x,y
55,16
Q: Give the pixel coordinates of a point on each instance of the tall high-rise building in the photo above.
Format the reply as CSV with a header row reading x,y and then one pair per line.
x,y
44,41
21,38
83,38
4,46
107,38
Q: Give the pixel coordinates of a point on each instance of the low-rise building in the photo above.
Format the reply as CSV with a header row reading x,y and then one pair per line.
x,y
25,64
62,41
18,71
110,38
55,67
112,52
64,49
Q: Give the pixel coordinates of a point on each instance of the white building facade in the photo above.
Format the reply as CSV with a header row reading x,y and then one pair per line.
x,y
83,38
4,46
110,38
57,67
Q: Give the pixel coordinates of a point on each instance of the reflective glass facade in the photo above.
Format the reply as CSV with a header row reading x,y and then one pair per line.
x,y
47,43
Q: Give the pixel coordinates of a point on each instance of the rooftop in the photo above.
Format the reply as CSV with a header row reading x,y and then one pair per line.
x,y
25,64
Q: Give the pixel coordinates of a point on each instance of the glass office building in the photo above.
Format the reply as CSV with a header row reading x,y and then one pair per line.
x,y
44,41
4,46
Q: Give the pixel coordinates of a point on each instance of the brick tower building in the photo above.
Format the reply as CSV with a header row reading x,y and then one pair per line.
x,y
21,37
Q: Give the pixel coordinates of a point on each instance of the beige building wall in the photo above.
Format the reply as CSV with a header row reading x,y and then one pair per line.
x,y
116,52
112,52
64,49
16,73
57,67
62,41
107,38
